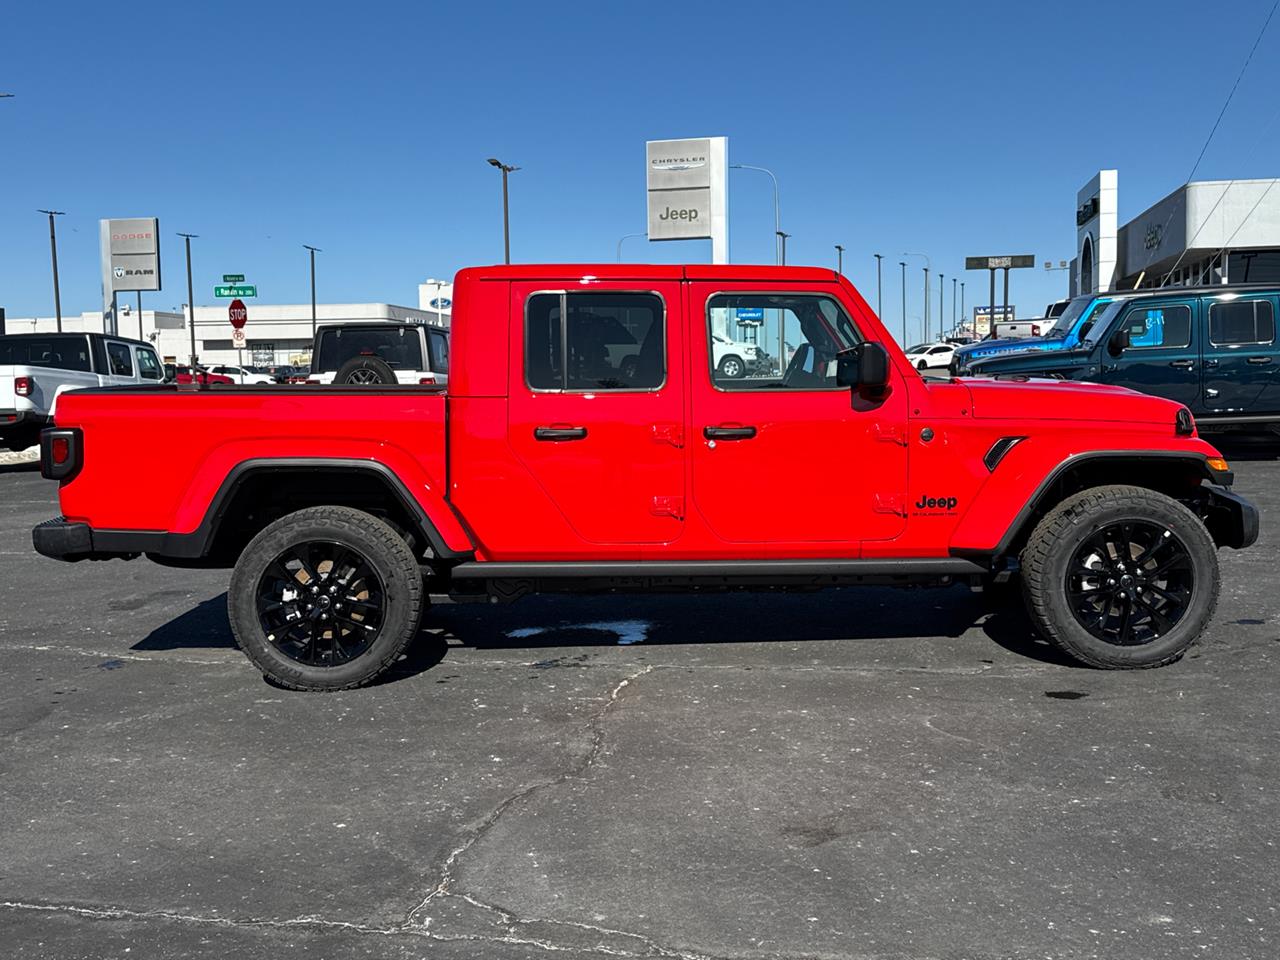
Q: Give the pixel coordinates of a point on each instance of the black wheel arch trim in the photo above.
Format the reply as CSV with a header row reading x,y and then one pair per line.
x,y
107,543
1028,509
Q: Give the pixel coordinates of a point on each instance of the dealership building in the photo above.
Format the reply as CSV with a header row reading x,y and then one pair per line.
x,y
274,333
1205,232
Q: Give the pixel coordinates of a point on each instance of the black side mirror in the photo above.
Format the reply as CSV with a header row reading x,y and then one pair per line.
x,y
864,369
1119,342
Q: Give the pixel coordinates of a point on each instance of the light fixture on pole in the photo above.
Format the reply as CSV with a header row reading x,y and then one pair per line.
x,y
783,237
313,251
506,208
928,265
53,250
627,236
777,216
191,304
840,259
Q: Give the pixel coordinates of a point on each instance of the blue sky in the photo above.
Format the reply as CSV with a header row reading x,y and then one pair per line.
x,y
950,129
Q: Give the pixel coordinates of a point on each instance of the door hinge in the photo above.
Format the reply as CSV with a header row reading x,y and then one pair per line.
x,y
888,503
668,507
891,432
672,433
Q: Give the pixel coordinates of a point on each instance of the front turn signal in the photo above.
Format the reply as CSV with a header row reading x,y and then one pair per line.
x,y
1218,465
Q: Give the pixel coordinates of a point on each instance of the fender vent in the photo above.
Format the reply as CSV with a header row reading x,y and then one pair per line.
x,y
1184,425
999,449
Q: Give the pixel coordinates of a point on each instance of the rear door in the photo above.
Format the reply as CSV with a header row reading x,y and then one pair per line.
x,y
595,411
1238,332
1163,358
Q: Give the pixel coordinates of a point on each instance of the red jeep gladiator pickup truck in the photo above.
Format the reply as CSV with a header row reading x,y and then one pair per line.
x,y
587,442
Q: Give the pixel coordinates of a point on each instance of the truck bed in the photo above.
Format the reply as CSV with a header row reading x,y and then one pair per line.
x,y
179,445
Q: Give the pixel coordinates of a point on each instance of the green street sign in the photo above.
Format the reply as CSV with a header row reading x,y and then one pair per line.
x,y
233,278
238,290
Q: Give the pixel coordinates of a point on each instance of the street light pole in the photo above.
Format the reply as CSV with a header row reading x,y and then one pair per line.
x,y
942,303
191,304
53,249
928,264
954,321
840,259
783,237
777,216
879,285
313,251
903,265
962,302
506,209
627,236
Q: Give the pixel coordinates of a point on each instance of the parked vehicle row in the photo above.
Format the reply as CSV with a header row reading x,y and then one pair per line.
x,y
1212,349
548,467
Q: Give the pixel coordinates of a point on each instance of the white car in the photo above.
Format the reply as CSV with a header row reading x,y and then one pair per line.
x,y
927,356
733,358
37,368
380,352
243,374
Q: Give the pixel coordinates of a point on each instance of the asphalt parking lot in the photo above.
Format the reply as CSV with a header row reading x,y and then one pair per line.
x,y
869,774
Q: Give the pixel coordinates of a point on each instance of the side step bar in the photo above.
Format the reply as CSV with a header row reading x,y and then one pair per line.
x,y
714,569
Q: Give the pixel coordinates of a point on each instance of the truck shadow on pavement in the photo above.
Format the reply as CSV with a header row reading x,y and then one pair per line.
x,y
25,466
545,622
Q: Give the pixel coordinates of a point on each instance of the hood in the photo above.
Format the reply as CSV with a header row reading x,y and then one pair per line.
x,y
985,349
1066,400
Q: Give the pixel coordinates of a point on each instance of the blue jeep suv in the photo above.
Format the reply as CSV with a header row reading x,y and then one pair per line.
x,y
1211,348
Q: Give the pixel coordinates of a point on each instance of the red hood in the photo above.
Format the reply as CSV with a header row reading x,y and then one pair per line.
x,y
1066,400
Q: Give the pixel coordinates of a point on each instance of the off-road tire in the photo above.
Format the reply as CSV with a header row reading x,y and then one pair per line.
x,y
365,371
377,544
730,364
1057,537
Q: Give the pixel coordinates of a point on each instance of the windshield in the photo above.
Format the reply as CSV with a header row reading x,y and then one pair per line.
x,y
1100,317
1067,319
400,349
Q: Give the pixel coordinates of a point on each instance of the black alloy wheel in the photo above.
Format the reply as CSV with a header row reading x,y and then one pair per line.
x,y
321,603
1130,583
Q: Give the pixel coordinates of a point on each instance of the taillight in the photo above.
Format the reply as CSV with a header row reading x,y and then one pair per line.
x,y
426,381
23,386
60,453
1035,329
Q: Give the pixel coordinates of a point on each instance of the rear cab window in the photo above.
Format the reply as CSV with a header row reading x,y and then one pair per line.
x,y
399,348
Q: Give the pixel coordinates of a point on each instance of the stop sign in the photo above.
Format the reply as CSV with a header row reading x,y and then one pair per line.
x,y
238,313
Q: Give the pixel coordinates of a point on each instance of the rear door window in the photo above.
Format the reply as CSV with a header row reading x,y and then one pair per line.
x,y
1241,322
119,360
439,344
400,349
66,352
595,341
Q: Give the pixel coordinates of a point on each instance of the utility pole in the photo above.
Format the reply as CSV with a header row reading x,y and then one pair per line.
x,y
191,304
139,314
1004,313
53,249
783,237
506,209
313,251
839,259
903,265
879,285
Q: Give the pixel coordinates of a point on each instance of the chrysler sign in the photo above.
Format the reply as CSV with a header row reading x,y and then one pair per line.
x,y
686,184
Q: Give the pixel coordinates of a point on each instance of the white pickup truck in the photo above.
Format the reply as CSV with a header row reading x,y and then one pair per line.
x,y
37,368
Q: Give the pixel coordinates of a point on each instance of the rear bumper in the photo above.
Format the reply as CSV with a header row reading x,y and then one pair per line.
x,y
1232,520
63,539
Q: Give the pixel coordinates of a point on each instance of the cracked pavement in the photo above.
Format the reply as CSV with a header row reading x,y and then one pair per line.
x,y
867,774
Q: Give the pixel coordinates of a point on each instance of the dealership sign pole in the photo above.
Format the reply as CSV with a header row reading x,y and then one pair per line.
x,y
688,191
992,264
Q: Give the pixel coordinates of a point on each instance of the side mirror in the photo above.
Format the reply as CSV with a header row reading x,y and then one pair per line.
x,y
1119,342
864,369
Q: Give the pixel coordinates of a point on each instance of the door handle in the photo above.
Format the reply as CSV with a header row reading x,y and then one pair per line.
x,y
1259,361
728,433
559,433
1182,364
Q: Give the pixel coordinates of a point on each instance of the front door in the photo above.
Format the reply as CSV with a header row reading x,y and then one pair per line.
x,y
1239,337
1162,358
779,453
596,406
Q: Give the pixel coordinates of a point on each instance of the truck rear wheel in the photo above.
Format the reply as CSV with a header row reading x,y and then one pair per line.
x,y
1121,577
326,598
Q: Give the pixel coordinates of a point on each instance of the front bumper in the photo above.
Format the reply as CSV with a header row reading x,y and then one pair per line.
x,y
1232,520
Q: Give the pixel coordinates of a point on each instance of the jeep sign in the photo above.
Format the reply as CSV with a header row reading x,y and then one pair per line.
x,y
687,191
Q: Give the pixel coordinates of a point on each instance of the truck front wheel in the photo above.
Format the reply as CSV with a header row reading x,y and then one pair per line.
x,y
1121,577
326,598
